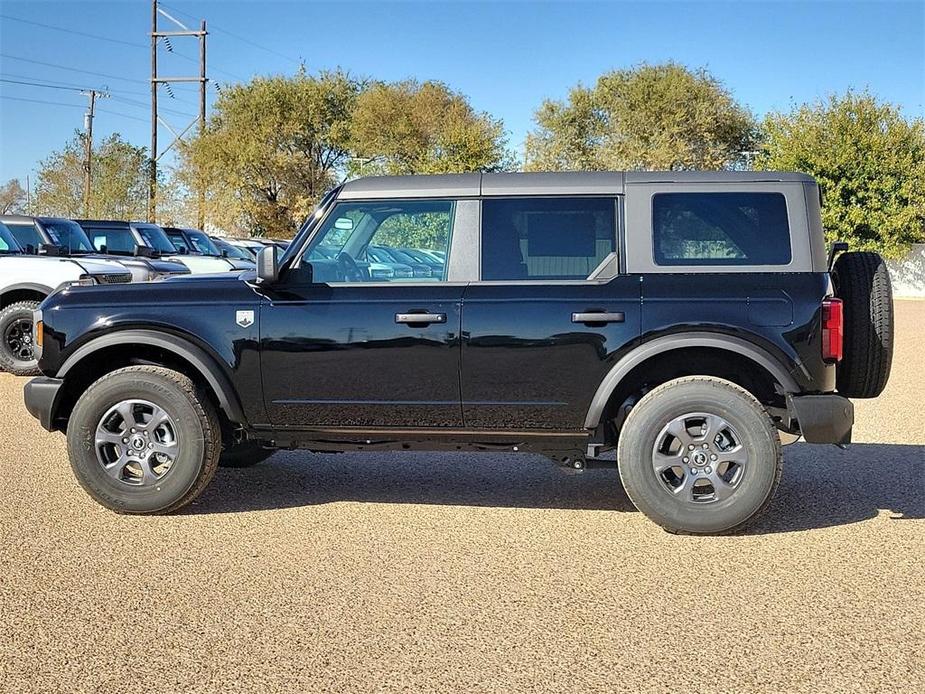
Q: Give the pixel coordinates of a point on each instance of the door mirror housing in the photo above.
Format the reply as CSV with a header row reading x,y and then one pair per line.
x,y
49,249
142,251
267,265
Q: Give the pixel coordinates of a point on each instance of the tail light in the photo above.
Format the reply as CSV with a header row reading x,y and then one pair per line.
x,y
833,324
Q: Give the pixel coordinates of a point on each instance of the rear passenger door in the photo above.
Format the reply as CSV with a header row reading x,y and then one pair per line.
x,y
549,315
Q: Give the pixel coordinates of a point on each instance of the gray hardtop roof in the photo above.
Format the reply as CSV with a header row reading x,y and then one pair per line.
x,y
561,183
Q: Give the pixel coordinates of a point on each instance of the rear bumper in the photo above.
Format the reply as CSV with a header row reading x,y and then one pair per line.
x,y
41,396
822,418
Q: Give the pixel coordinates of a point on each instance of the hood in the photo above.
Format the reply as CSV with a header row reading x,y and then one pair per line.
x,y
97,266
199,264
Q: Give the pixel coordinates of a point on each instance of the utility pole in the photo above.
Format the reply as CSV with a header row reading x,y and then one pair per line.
x,y
92,95
201,209
152,169
156,119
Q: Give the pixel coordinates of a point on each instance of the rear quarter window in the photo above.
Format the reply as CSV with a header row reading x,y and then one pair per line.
x,y
720,229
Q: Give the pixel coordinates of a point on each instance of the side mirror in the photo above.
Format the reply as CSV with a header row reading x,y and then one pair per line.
x,y
49,249
267,265
103,249
224,252
142,251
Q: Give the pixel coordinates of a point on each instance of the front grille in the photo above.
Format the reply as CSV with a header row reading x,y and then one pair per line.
x,y
120,278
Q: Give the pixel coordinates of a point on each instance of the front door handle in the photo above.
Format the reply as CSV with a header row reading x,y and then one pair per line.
x,y
598,317
420,318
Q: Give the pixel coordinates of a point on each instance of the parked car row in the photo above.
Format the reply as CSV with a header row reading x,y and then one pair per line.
x,y
39,255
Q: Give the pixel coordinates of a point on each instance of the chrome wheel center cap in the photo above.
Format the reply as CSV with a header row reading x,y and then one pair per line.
x,y
138,443
699,458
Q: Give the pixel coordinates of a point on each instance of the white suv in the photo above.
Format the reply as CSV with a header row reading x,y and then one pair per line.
x,y
25,281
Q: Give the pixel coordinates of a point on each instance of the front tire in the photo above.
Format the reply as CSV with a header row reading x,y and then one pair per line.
x,y
699,455
144,439
17,346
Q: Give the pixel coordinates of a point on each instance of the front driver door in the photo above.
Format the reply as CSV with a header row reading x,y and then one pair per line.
x,y
365,343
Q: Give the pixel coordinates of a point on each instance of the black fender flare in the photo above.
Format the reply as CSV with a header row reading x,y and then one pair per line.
x,y
669,343
198,357
31,286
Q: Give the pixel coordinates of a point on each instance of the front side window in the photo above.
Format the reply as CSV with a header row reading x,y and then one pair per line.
x,y
113,239
202,242
378,242
177,239
26,234
546,238
720,229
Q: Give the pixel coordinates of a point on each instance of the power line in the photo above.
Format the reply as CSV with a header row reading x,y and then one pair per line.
x,y
75,88
62,103
39,101
215,27
73,69
72,31
31,81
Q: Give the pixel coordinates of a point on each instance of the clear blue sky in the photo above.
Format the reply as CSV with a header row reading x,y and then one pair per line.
x,y
506,57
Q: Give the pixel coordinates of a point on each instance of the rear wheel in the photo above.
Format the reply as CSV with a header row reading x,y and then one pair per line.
x,y
699,455
17,345
862,282
144,439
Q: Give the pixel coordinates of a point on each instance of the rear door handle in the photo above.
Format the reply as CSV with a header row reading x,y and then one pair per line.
x,y
420,318
598,317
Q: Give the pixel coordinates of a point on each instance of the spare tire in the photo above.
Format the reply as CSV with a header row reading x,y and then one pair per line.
x,y
862,282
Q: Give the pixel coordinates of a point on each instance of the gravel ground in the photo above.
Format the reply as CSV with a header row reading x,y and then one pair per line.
x,y
422,572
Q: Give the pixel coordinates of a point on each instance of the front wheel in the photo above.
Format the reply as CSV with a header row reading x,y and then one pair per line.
x,y
17,343
699,455
144,439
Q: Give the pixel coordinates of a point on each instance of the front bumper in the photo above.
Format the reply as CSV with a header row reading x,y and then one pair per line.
x,y
822,418
41,396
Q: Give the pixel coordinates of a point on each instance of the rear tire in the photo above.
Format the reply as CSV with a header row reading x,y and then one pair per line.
x,y
862,282
699,455
17,347
144,439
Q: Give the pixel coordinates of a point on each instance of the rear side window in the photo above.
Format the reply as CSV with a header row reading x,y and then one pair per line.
x,y
720,229
546,238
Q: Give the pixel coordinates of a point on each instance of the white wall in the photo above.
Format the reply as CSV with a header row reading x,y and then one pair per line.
x,y
908,274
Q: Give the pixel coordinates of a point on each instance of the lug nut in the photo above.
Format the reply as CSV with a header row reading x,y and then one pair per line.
x,y
687,460
124,440
690,447
708,470
713,457
706,446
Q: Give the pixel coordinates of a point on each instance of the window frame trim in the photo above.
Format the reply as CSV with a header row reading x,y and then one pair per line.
x,y
589,280
715,262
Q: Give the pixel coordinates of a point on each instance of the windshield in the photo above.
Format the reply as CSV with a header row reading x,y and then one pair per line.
x,y
202,242
8,245
233,251
155,237
309,225
67,235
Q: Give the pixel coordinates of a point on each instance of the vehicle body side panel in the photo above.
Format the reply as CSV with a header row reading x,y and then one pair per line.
x,y
200,310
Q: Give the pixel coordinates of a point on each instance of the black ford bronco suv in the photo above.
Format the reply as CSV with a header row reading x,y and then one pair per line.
x,y
690,321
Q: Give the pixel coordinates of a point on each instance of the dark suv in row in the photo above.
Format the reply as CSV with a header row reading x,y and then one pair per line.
x,y
688,320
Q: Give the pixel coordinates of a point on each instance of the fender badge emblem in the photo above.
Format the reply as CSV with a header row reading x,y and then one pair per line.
x,y
244,318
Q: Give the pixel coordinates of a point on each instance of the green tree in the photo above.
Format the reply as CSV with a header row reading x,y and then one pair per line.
x,y
118,187
412,127
870,164
12,197
271,149
647,117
